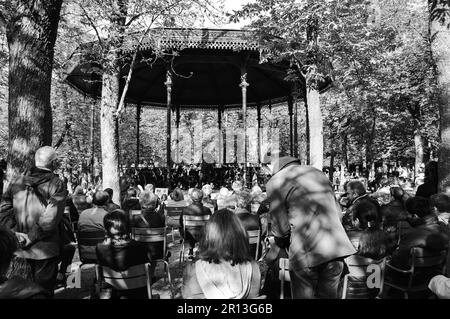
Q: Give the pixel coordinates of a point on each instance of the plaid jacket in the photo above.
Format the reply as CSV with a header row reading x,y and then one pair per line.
x,y
302,202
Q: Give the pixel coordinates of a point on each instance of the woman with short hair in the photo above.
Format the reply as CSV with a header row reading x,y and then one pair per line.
x,y
367,237
119,252
225,269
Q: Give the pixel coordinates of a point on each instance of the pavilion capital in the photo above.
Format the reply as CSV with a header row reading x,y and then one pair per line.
x,y
168,82
244,83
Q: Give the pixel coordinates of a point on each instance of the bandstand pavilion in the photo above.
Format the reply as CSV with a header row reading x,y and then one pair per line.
x,y
212,69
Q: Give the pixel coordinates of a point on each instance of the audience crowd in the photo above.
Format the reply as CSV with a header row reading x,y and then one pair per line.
x,y
316,226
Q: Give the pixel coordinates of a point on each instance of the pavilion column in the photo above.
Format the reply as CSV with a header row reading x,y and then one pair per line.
x,y
138,132
224,140
219,126
177,121
308,136
235,148
291,125
244,86
270,132
258,118
168,84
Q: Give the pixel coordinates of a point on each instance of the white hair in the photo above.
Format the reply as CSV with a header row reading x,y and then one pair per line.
x,y
44,156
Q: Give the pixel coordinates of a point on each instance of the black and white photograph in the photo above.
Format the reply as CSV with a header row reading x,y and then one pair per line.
x,y
245,152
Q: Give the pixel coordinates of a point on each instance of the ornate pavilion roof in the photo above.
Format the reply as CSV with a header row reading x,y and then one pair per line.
x,y
207,69
210,39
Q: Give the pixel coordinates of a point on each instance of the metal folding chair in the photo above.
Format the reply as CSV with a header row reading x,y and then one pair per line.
x,y
192,223
356,284
283,274
132,278
254,237
155,235
420,259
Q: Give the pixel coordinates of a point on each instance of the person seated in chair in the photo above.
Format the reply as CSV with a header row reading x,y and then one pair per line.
x,y
79,200
195,209
15,287
225,269
427,232
91,219
367,237
207,201
441,202
356,194
119,252
249,220
110,206
395,211
131,202
150,218
176,199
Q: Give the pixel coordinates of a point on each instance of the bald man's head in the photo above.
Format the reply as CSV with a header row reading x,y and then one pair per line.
x,y
45,157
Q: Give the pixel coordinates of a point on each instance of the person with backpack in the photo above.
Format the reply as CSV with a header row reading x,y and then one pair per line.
x,y
37,200
14,287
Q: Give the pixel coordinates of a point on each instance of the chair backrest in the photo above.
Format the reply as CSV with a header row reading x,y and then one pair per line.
x,y
283,274
173,211
87,241
422,258
284,269
134,277
403,227
210,207
195,221
254,237
357,283
135,212
90,237
151,235
67,213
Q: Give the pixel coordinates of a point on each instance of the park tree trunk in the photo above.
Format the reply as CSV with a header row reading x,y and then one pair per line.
x,y
108,127
369,141
419,145
440,49
344,149
31,29
315,122
331,171
307,131
315,129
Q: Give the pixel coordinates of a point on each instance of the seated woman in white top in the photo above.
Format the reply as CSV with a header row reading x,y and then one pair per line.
x,y
225,269
440,286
